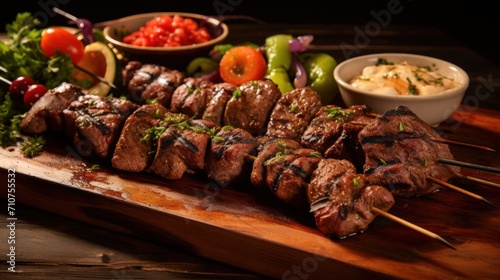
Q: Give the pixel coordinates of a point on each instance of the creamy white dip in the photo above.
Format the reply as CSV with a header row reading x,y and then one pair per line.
x,y
402,79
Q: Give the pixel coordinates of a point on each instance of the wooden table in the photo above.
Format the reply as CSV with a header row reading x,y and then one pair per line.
x,y
51,246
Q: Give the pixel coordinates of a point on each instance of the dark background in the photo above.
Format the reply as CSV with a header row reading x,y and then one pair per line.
x,y
474,23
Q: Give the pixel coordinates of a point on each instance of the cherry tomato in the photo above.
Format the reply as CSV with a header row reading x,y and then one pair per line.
x,y
32,95
59,39
18,88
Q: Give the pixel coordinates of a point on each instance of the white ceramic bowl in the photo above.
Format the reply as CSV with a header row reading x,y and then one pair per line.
x,y
433,109
172,57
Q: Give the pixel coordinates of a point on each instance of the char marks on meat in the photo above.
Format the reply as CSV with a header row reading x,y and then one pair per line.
x,y
145,82
293,113
221,93
250,106
345,198
400,155
94,123
328,125
191,97
287,175
267,149
47,113
181,147
227,159
347,145
135,147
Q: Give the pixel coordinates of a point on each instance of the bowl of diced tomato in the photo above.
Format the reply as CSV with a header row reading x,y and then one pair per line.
x,y
169,38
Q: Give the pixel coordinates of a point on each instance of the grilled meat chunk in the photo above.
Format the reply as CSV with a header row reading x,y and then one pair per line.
x,y
345,198
191,97
227,159
135,147
347,145
293,112
332,173
327,126
250,106
47,113
94,123
287,175
221,93
150,82
267,149
181,147
400,156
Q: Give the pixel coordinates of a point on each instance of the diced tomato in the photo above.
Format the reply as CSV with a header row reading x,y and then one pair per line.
x,y
166,30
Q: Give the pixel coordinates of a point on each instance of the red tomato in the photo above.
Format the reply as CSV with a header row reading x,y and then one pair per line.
x,y
168,31
242,64
59,39
32,95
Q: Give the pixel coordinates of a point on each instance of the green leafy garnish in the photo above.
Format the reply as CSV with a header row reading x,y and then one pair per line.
x,y
383,61
32,146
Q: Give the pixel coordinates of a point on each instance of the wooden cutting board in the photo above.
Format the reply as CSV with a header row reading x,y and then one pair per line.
x,y
252,230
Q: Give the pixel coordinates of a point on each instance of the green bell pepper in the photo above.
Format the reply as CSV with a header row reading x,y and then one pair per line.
x,y
280,77
319,68
279,59
201,66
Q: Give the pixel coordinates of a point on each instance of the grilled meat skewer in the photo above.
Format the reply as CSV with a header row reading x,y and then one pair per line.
x,y
350,121
400,155
342,200
186,139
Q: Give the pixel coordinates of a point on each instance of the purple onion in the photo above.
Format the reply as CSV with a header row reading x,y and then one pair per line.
x,y
86,28
301,43
299,71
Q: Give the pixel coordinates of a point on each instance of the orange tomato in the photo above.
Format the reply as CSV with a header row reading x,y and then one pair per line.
x,y
242,64
59,39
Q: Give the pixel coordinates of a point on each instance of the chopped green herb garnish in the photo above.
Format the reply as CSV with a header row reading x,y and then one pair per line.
x,y
95,167
383,61
401,127
337,113
217,138
412,89
237,93
315,154
355,182
152,134
32,146
152,101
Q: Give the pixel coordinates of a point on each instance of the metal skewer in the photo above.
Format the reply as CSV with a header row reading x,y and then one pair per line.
x,y
469,165
5,80
445,141
65,14
100,79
